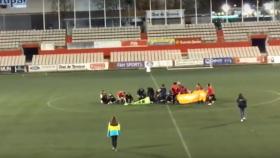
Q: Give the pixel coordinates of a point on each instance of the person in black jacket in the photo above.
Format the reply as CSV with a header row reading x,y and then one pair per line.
x,y
242,104
151,94
141,93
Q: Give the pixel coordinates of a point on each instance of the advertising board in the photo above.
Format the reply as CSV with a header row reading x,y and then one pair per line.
x,y
71,67
130,65
98,66
218,61
14,3
188,62
161,41
107,44
42,68
134,43
157,64
273,59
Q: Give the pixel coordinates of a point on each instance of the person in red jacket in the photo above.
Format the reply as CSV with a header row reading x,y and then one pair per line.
x,y
211,98
121,97
175,91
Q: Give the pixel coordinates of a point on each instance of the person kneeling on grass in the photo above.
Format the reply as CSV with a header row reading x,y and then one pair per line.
x,y
121,97
104,99
151,94
141,93
114,130
128,98
112,99
211,98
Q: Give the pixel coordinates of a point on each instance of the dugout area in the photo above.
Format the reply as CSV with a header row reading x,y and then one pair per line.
x,y
58,115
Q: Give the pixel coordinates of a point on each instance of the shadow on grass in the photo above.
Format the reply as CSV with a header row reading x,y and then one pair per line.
x,y
220,125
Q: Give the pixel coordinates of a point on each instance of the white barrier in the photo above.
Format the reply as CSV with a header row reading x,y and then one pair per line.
x,y
107,44
273,59
157,64
42,68
253,60
69,67
98,66
188,62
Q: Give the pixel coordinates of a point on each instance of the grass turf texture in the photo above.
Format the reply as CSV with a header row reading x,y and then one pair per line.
x,y
58,115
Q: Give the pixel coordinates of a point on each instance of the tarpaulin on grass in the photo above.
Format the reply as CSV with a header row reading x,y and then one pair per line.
x,y
194,97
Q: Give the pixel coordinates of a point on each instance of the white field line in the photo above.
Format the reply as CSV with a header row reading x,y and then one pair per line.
x,y
184,144
50,105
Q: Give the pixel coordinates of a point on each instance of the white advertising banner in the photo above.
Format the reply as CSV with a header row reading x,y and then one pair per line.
x,y
159,14
253,60
71,67
98,66
273,59
107,44
155,64
188,62
14,3
47,46
42,68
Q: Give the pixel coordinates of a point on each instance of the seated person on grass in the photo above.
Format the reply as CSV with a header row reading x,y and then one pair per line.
x,y
151,93
121,97
112,99
104,97
141,93
128,98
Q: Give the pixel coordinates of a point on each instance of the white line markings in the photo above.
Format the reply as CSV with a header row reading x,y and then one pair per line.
x,y
184,144
50,105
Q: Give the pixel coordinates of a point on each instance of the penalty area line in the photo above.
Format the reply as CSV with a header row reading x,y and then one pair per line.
x,y
184,144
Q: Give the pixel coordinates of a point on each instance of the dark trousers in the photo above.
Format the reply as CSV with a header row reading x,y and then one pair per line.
x,y
114,141
174,98
242,112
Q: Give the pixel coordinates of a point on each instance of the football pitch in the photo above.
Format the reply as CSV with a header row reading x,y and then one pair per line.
x,y
58,115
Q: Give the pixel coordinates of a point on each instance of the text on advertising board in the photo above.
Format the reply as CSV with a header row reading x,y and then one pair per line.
x,y
98,66
218,61
130,65
14,3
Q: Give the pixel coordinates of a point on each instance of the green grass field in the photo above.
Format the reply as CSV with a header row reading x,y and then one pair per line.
x,y
58,115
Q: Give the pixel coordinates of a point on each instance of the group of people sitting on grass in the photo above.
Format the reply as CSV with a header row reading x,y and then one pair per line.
x,y
158,96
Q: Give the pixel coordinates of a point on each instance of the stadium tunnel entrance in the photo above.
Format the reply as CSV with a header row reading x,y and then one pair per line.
x,y
29,51
260,42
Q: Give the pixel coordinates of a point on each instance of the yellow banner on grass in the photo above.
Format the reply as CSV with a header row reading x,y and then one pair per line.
x,y
194,97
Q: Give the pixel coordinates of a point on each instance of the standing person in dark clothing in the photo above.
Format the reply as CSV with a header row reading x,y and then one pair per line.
x,y
242,104
114,130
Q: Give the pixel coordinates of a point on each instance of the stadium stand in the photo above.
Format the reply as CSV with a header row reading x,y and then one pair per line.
x,y
12,61
8,45
273,50
206,32
54,59
241,31
146,55
13,39
223,52
106,33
